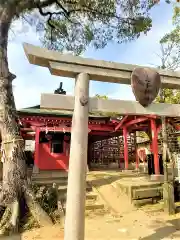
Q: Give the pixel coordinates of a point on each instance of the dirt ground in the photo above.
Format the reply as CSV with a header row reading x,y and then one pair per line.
x,y
147,223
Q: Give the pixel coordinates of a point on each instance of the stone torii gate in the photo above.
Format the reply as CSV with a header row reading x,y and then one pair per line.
x,y
84,70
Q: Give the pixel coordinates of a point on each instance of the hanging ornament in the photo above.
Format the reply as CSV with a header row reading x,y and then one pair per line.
x,y
145,83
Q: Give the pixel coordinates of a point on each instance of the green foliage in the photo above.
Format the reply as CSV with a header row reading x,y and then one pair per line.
x,y
73,25
170,57
173,37
169,96
95,23
101,96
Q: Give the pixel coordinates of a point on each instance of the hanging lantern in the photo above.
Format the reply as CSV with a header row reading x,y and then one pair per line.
x,y
145,83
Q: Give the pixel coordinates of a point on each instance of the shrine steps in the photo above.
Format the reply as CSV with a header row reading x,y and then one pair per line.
x,y
140,190
93,203
50,174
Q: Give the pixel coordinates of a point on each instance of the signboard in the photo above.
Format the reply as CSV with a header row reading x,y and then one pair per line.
x,y
178,166
30,145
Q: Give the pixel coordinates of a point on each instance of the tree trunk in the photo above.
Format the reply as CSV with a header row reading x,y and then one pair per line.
x,y
14,185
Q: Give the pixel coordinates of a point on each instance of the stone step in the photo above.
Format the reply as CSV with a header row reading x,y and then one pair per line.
x,y
58,181
95,206
50,181
91,202
90,206
143,189
50,174
146,193
44,175
89,196
88,201
62,189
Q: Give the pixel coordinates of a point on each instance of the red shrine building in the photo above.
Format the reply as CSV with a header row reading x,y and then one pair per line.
x,y
112,141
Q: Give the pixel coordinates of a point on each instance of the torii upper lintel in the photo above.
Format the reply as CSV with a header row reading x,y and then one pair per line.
x,y
67,65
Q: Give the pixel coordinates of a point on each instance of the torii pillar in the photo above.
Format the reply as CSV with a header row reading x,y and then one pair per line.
x,y
75,205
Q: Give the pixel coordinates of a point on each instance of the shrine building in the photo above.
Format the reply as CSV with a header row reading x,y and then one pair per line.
x,y
112,142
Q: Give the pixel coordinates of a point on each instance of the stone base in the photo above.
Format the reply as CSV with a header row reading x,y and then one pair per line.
x,y
35,169
158,177
127,170
168,197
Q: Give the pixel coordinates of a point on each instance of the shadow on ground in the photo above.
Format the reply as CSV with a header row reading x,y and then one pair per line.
x,y
15,237
172,229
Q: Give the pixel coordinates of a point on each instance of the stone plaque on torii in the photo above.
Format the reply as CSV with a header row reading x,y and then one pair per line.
x,y
83,70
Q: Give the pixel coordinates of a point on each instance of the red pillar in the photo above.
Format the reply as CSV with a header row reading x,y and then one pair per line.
x,y
125,148
36,155
136,151
154,132
137,160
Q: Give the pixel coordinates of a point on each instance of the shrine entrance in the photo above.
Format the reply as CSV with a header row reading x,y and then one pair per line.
x,y
84,70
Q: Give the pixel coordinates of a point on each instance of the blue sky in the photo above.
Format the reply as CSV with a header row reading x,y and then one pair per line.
x,y
32,80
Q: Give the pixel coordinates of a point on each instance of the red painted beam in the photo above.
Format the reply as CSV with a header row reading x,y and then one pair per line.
x,y
115,121
101,128
43,118
57,129
143,129
135,121
151,116
121,123
96,127
49,119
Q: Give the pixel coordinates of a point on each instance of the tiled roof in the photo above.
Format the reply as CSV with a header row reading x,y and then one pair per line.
x,y
36,110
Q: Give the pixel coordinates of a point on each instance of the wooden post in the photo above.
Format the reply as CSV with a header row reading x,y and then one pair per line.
x,y
36,156
125,148
155,145
168,188
76,192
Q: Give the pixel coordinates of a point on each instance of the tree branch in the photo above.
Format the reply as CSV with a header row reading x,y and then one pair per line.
x,y
63,11
84,8
30,5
